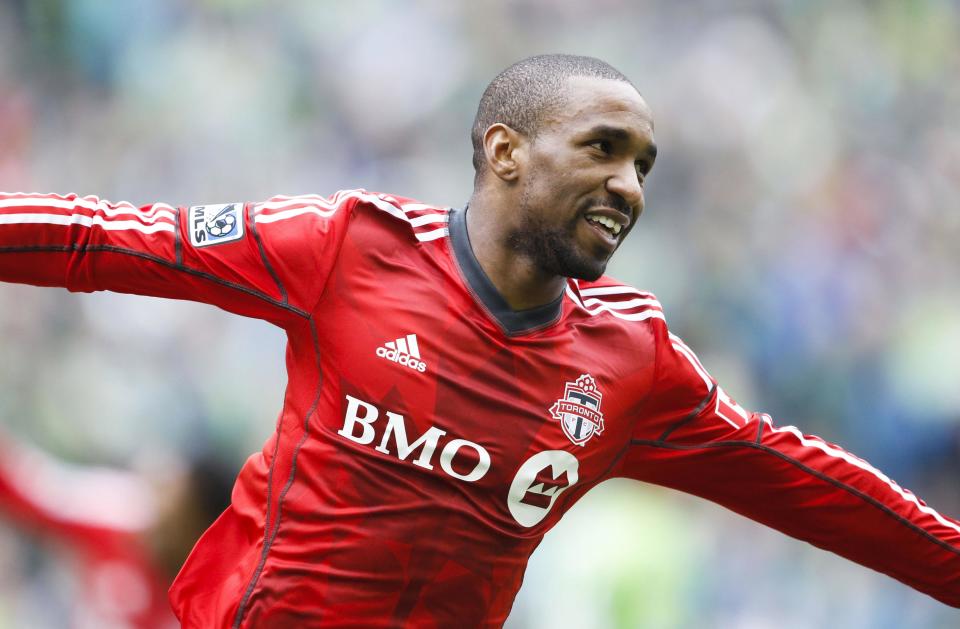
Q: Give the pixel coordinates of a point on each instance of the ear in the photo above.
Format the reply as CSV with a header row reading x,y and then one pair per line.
x,y
505,150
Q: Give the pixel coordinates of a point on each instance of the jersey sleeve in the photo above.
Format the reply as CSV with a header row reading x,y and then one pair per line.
x,y
694,438
267,260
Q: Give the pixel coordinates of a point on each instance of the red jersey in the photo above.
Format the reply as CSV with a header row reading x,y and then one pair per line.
x,y
430,435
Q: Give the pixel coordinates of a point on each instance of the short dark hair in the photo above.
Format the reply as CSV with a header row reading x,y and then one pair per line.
x,y
525,93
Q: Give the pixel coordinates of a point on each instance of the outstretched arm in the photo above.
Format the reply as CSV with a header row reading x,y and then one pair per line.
x,y
703,443
246,258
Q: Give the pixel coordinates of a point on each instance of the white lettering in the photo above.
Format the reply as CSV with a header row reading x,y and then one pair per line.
x,y
450,451
427,440
352,418
360,417
401,358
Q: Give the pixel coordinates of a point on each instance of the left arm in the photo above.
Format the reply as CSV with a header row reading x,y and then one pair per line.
x,y
707,445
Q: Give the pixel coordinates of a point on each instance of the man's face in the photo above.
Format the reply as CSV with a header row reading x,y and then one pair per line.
x,y
582,185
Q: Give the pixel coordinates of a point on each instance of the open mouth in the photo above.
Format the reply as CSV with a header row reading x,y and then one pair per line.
x,y
605,223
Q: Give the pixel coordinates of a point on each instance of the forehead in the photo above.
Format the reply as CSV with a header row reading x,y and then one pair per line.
x,y
591,101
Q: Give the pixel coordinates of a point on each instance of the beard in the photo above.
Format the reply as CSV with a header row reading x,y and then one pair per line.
x,y
553,248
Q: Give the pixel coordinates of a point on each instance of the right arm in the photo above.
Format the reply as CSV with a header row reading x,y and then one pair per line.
x,y
249,259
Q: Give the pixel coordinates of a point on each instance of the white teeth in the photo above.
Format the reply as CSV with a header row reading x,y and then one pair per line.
x,y
609,223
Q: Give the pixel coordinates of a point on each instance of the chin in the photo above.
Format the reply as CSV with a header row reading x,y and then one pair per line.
x,y
581,268
559,254
591,275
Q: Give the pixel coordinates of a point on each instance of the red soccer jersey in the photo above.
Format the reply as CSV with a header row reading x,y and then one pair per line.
x,y
430,435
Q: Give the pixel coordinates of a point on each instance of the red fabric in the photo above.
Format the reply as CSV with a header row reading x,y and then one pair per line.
x,y
390,496
118,583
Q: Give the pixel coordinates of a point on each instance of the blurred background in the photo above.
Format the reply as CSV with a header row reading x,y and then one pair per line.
x,y
801,231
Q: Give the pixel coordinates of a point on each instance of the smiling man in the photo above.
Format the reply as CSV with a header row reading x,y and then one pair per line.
x,y
458,379
559,179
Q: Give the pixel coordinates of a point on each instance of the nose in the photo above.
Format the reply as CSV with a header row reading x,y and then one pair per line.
x,y
626,184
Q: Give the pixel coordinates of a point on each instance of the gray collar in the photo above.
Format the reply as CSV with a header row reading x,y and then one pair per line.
x,y
513,322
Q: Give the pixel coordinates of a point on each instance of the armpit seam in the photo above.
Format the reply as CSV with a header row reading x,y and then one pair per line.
x,y
689,416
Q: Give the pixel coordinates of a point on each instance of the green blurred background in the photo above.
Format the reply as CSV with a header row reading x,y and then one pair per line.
x,y
802,232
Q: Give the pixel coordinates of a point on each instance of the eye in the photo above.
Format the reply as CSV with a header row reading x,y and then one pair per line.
x,y
641,171
604,146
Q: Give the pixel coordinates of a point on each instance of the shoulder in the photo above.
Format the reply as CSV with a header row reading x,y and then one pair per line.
x,y
423,221
610,298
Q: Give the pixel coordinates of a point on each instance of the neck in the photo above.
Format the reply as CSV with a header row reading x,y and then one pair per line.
x,y
517,278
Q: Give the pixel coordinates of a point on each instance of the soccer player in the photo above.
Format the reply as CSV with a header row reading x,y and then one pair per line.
x,y
458,378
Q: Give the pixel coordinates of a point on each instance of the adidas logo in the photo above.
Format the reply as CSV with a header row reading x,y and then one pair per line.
x,y
404,351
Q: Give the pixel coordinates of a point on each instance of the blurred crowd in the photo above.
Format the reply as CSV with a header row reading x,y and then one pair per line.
x,y
801,231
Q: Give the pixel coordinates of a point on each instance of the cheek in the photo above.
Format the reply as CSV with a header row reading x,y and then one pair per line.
x,y
553,162
557,180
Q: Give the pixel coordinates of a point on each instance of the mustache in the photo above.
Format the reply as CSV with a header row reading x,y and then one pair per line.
x,y
614,201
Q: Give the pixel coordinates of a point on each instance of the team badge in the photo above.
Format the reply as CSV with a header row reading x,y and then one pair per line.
x,y
215,224
578,411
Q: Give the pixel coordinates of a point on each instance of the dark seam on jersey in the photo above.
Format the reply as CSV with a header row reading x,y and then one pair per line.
x,y
760,430
689,416
511,322
177,247
158,260
263,256
616,461
582,489
812,472
266,517
293,470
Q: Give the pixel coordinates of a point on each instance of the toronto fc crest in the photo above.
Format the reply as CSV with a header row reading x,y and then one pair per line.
x,y
578,411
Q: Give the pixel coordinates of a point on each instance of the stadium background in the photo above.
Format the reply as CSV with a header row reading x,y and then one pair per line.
x,y
801,231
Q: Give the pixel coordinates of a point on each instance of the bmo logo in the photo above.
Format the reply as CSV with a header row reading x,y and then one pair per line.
x,y
539,482
459,458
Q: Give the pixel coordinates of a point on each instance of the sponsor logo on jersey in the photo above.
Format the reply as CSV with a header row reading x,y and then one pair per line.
x,y
459,458
215,224
405,351
538,483
578,411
